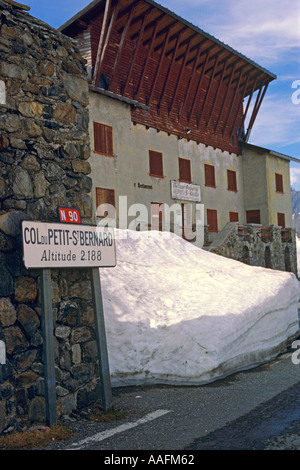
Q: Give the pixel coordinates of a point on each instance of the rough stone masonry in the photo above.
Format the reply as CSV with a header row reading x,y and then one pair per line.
x,y
44,152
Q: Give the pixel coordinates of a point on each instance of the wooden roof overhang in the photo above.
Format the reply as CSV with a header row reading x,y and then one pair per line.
x,y
194,85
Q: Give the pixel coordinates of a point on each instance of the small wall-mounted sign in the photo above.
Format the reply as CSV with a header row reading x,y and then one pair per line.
x,y
145,186
69,215
2,353
185,191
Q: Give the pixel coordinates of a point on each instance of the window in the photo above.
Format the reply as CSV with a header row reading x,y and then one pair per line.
x,y
233,216
107,197
156,164
279,183
253,217
209,173
231,180
185,170
157,212
187,222
281,219
103,139
212,220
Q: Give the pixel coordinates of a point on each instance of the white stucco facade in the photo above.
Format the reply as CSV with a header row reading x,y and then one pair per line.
x,y
127,173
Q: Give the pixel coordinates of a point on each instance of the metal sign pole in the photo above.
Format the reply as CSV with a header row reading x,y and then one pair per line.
x,y
101,340
49,364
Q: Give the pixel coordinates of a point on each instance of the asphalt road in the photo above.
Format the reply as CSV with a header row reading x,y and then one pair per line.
x,y
255,409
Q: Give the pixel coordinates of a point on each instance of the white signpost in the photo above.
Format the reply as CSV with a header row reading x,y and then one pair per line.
x,y
62,245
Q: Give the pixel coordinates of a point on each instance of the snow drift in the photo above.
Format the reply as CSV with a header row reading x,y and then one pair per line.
x,y
176,314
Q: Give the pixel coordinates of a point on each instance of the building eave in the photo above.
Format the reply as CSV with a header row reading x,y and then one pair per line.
x,y
269,151
96,3
115,96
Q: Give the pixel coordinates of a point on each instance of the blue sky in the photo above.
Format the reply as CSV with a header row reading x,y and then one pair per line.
x,y
266,31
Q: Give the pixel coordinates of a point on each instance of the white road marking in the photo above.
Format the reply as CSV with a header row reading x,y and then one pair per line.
x,y
123,427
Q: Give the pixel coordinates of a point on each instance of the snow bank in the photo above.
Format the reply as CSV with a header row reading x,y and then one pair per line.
x,y
177,315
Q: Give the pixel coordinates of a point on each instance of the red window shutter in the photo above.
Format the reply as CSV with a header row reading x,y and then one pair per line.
x,y
253,217
156,164
279,183
157,213
103,139
281,219
231,179
209,173
212,220
233,216
104,196
185,170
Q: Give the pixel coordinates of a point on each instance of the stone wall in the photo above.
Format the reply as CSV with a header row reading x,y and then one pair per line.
x,y
44,152
271,247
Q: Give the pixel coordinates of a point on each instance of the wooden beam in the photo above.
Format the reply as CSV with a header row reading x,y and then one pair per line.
x,y
239,105
226,96
196,47
175,37
101,40
191,80
146,62
138,19
217,93
157,75
151,25
125,10
208,91
180,77
211,57
112,22
256,108
232,102
199,85
124,34
136,48
247,108
186,41
168,74
162,32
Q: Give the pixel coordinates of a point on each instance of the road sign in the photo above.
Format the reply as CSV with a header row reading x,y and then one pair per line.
x,y
51,245
69,215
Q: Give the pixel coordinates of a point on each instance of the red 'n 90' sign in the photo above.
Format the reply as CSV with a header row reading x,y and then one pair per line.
x,y
69,215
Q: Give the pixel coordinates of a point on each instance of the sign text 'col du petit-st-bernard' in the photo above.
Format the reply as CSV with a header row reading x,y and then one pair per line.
x,y
51,245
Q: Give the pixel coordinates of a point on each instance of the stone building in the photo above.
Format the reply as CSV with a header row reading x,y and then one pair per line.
x,y
44,163
170,124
